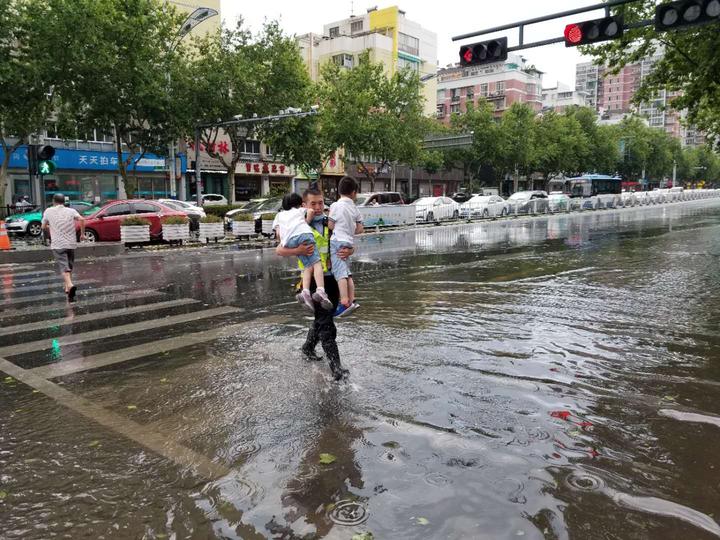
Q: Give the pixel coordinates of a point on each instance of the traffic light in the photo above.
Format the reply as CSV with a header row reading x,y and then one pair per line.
x,y
485,52
587,32
44,155
686,13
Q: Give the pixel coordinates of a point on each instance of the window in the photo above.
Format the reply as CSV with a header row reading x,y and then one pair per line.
x,y
484,90
52,131
344,60
455,108
145,208
530,89
500,87
441,110
408,44
252,147
118,210
441,95
334,31
455,94
408,64
356,26
470,92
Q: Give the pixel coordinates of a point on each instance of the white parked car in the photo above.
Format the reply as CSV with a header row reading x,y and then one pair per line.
x,y
642,198
559,202
658,196
433,209
183,207
211,199
628,199
484,206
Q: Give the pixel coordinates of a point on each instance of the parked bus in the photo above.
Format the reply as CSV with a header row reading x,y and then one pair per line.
x,y
598,190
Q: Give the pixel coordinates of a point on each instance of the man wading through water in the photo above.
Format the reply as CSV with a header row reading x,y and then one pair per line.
x,y
323,329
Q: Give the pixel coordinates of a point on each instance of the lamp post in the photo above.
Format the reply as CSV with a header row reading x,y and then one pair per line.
x,y
196,17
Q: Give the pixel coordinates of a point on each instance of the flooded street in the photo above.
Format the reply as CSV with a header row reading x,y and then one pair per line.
x,y
554,377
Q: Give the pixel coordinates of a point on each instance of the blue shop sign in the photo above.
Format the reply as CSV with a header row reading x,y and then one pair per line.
x,y
68,159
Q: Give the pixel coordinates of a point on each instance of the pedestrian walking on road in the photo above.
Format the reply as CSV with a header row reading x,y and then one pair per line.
x,y
60,221
323,329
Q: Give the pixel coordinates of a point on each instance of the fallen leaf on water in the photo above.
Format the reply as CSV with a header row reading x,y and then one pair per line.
x,y
163,379
363,536
161,535
563,415
422,521
391,444
94,443
9,379
132,407
3,494
327,459
670,398
36,391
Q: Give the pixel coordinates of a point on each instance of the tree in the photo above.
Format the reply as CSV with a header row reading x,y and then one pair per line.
x,y
690,64
376,118
235,73
31,66
563,147
602,151
517,136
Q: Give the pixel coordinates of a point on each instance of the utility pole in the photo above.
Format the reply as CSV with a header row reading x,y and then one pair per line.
x,y
674,173
198,175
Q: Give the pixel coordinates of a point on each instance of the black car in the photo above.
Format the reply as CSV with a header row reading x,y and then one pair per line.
x,y
461,197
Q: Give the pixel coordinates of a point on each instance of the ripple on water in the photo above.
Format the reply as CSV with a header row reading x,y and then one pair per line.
x,y
437,479
348,513
584,481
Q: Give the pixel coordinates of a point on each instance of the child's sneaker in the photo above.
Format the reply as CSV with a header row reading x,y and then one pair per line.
x,y
343,311
322,298
305,298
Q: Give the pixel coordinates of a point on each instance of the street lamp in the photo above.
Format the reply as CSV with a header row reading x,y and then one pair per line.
x,y
196,17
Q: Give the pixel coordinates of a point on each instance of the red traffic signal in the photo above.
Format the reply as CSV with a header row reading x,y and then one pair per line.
x,y
587,32
485,52
686,13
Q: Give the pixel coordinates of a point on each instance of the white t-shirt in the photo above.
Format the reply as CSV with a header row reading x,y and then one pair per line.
x,y
346,216
291,223
62,226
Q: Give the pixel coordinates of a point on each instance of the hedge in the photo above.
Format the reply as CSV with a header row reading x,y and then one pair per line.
x,y
221,210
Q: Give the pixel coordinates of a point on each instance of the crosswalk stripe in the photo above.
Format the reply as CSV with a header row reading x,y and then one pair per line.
x,y
97,316
153,440
96,361
42,344
28,274
44,287
52,297
120,297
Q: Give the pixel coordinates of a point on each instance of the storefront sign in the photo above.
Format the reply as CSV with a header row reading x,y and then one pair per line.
x,y
67,159
263,167
222,147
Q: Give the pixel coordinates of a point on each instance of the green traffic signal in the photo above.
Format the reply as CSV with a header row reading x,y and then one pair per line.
x,y
46,167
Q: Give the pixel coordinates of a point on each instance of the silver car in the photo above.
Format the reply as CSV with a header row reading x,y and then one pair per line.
x,y
529,202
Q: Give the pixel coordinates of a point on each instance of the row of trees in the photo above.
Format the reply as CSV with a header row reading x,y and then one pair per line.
x,y
121,67
569,143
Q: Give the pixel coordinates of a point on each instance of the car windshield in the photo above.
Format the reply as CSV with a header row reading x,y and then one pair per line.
x,y
270,204
361,199
519,196
174,205
481,199
424,200
555,197
90,210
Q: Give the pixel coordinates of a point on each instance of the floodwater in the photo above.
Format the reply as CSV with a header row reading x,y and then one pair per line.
x,y
542,378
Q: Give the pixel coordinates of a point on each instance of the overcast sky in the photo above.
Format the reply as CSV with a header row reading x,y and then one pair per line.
x,y
447,18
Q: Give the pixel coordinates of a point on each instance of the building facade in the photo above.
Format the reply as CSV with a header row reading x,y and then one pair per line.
x,y
501,84
561,96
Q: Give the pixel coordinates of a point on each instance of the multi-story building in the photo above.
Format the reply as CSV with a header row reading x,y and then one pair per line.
x,y
501,84
611,95
398,43
561,96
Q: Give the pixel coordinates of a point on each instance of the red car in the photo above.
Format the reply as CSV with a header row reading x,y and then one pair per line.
x,y
104,225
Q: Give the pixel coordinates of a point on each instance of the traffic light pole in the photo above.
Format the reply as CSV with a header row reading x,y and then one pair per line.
x,y
520,25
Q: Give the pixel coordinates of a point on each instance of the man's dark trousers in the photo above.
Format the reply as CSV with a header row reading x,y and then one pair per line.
x,y
323,329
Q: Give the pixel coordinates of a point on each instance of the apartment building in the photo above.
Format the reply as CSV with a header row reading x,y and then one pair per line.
x,y
559,97
501,84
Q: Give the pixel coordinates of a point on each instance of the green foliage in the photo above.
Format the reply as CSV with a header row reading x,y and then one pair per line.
x,y
221,210
690,65
242,216
372,115
269,216
176,220
211,218
517,138
134,220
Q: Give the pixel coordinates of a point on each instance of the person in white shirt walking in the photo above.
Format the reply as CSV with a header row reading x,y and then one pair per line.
x,y
60,221
345,221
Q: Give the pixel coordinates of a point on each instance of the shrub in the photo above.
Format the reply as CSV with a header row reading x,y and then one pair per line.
x,y
269,216
240,216
211,218
176,220
221,210
135,220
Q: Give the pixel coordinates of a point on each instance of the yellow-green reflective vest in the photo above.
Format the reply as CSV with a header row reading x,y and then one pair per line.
x,y
322,243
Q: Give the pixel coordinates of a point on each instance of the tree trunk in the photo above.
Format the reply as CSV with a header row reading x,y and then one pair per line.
x,y
231,184
122,169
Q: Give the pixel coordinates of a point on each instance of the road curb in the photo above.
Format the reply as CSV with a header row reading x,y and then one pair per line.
x,y
83,251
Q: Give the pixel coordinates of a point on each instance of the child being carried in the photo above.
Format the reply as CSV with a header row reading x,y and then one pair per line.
x,y
293,229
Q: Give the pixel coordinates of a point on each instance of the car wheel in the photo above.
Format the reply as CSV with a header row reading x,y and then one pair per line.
x,y
34,228
456,214
504,212
91,236
486,214
430,217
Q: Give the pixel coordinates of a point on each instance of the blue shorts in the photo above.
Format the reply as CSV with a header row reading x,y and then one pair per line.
x,y
340,268
306,238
